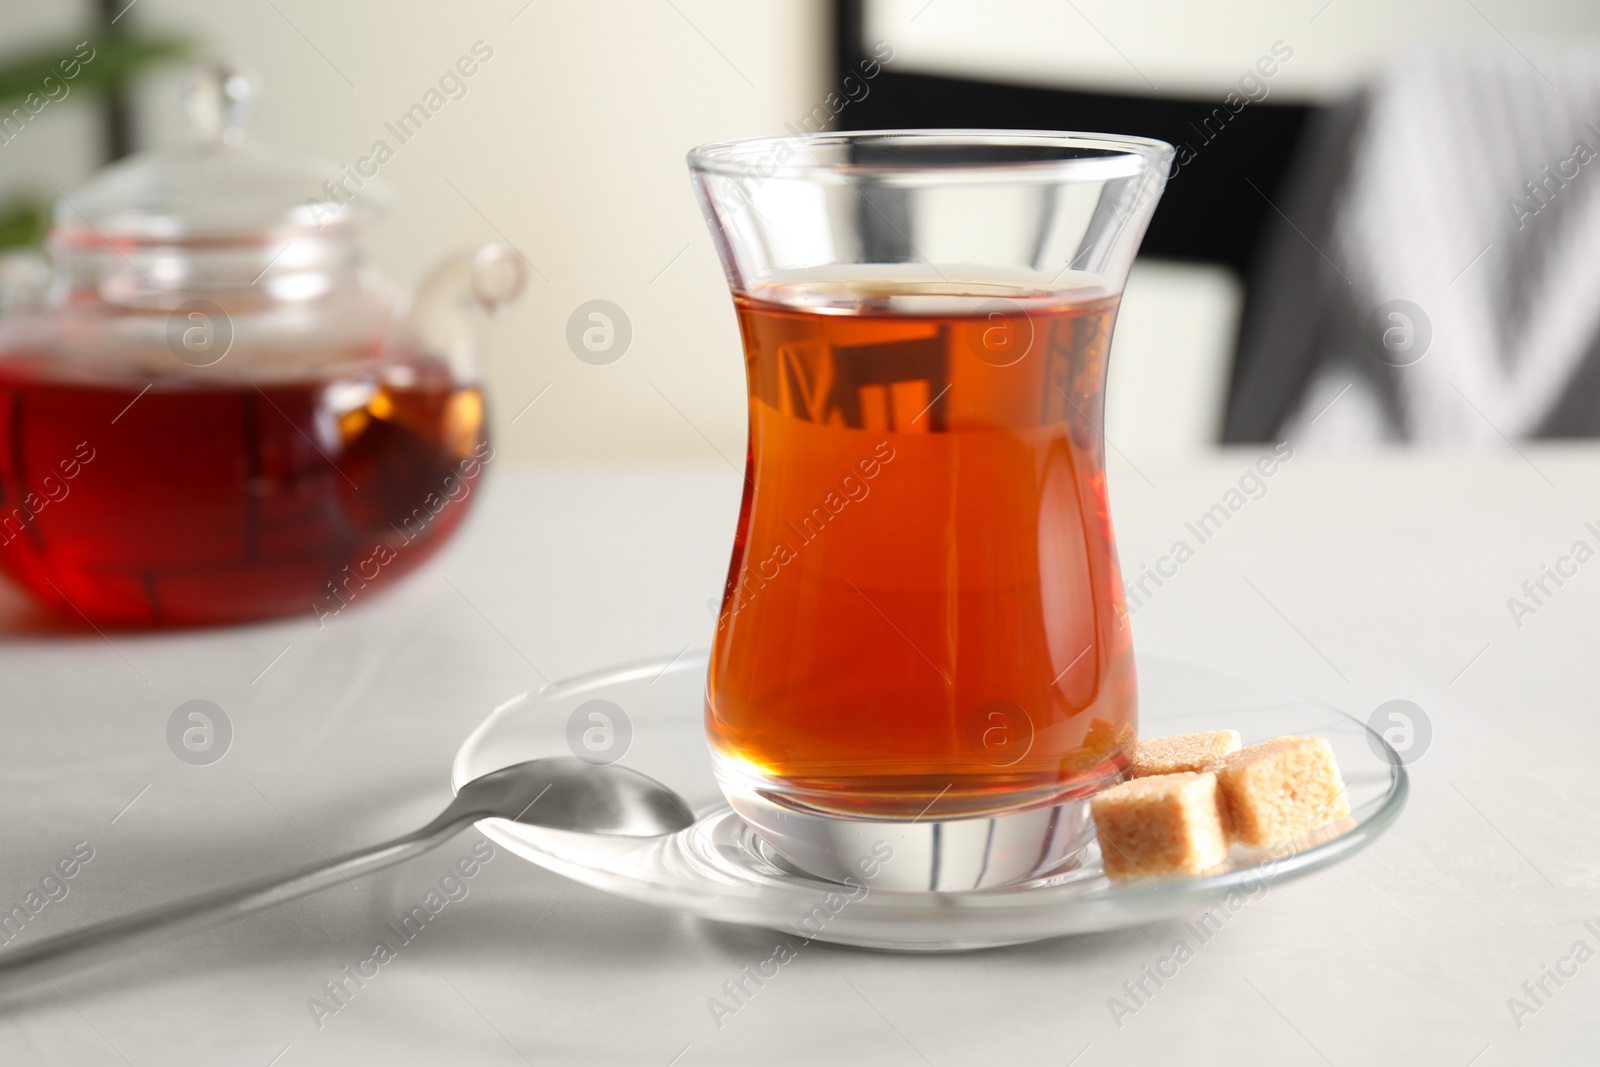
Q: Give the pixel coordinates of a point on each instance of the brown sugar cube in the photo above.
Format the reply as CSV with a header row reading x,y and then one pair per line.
x,y
1275,791
1183,752
1159,826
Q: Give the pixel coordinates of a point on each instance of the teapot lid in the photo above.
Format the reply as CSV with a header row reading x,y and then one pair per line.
x,y
219,185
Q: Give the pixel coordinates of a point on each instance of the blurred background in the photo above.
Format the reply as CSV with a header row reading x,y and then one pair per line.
x,y
1381,228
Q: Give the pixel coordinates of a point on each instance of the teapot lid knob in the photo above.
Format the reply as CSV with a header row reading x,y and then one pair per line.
x,y
217,95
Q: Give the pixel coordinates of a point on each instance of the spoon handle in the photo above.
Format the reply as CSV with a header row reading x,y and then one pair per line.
x,y
118,937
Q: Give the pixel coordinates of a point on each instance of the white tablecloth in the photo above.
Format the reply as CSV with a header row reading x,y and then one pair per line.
x,y
1356,581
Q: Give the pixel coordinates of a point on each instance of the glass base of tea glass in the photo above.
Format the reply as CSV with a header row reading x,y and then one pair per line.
x,y
929,854
721,869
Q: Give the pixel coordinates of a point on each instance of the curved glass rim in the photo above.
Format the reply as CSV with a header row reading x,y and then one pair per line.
x,y
745,156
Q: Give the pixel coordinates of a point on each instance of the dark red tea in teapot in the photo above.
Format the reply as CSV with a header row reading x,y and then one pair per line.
x,y
189,502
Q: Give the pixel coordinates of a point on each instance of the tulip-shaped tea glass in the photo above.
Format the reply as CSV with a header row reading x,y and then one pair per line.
x,y
922,666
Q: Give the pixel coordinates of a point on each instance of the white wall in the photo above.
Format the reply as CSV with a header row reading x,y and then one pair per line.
x,y
1145,46
570,143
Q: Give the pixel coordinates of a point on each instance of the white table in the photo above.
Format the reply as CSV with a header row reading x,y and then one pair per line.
x,y
1354,580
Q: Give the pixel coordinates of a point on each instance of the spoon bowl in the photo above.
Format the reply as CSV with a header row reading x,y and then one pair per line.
x,y
565,793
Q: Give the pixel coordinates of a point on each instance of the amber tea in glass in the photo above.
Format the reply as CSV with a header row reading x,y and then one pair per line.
x,y
922,638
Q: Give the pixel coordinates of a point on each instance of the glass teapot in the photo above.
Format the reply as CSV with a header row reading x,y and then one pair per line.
x,y
209,410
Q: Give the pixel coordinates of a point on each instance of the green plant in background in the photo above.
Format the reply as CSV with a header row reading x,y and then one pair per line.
x,y
23,222
30,81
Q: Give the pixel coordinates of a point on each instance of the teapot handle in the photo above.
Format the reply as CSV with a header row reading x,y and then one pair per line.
x,y
446,315
499,274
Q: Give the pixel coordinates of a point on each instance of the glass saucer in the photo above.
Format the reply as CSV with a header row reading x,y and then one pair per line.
x,y
719,868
